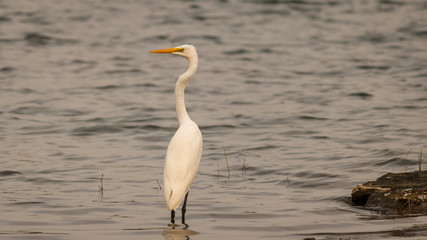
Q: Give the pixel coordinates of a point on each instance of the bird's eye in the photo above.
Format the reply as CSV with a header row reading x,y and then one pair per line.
x,y
180,50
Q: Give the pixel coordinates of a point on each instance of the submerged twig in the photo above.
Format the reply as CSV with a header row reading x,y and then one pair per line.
x,y
101,187
420,159
406,160
226,160
244,166
160,187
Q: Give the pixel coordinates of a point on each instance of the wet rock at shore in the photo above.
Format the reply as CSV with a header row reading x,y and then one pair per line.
x,y
394,193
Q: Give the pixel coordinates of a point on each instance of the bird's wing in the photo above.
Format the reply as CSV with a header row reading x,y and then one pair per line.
x,y
182,161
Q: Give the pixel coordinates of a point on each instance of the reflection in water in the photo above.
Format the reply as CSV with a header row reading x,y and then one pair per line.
x,y
178,233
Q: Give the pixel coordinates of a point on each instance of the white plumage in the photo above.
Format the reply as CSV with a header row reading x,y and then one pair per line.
x,y
182,161
185,148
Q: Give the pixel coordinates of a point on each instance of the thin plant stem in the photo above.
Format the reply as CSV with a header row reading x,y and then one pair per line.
x,y
244,166
101,188
420,158
160,187
226,161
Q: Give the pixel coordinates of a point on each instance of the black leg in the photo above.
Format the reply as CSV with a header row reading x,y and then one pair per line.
x,y
173,216
184,208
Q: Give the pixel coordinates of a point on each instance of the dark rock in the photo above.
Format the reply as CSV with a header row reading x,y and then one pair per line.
x,y
394,193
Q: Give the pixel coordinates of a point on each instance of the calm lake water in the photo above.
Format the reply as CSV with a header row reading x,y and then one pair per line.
x,y
306,98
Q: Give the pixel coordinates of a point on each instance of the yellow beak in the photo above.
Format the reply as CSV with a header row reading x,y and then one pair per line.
x,y
168,50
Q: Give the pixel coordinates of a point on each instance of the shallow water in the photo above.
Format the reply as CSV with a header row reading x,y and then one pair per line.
x,y
310,97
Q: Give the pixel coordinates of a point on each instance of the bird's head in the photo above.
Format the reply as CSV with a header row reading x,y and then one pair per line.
x,y
187,51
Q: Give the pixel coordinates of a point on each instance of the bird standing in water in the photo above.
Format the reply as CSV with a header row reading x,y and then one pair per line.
x,y
185,148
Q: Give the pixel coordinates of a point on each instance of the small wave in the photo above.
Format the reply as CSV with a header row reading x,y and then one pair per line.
x,y
293,2
311,175
415,29
121,59
408,232
256,171
410,107
70,112
9,173
32,232
75,158
27,203
373,36
395,162
258,148
246,215
155,38
217,126
199,18
108,87
147,127
320,137
237,51
5,19
82,65
29,110
373,67
280,12
80,18
26,90
384,153
241,103
7,69
98,129
362,95
44,131
124,71
307,117
43,180
10,40
37,39
192,38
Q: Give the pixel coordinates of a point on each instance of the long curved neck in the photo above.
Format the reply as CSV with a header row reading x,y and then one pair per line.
x,y
181,111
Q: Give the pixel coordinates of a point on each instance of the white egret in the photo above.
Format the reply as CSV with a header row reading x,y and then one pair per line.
x,y
185,148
